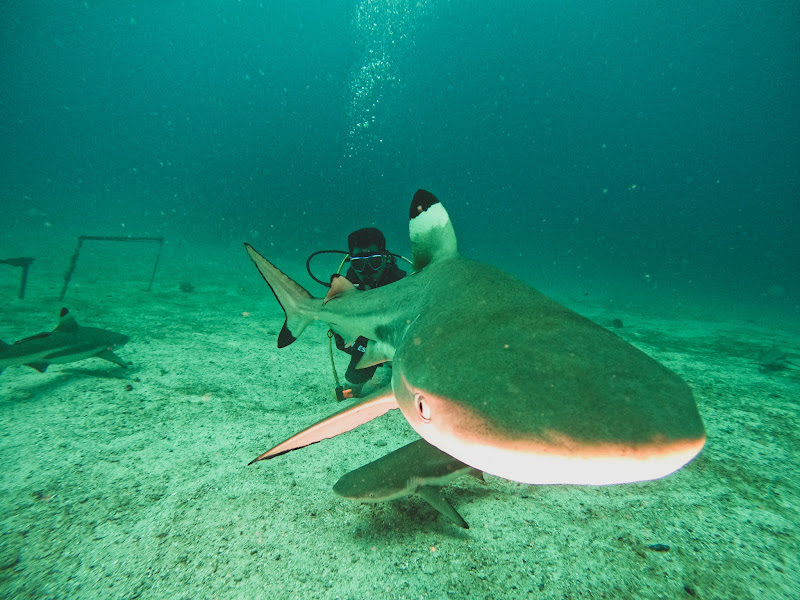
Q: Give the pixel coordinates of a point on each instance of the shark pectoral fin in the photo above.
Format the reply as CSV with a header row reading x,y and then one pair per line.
x,y
371,407
375,354
433,496
39,366
477,475
110,356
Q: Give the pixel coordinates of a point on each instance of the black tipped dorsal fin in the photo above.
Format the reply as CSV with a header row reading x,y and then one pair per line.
x,y
67,321
431,232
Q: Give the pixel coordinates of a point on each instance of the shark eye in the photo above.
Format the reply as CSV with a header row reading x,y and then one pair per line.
x,y
423,410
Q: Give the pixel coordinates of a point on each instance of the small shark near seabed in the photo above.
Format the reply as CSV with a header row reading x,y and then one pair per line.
x,y
68,342
416,468
495,374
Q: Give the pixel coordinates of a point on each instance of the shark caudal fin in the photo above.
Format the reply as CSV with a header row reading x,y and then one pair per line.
x,y
298,305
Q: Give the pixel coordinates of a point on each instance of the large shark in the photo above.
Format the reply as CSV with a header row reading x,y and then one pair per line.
x,y
416,468
495,374
68,342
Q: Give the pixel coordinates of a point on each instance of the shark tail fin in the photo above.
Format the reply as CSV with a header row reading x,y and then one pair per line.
x,y
298,305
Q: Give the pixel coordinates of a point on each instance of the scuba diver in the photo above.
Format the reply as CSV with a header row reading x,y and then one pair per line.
x,y
371,266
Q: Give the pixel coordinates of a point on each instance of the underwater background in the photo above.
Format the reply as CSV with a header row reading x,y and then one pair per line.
x,y
650,142
638,161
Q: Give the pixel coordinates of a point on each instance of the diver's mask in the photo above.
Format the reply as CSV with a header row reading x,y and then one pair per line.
x,y
372,261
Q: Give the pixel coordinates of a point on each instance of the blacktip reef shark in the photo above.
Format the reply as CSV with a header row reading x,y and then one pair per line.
x,y
416,468
68,342
496,374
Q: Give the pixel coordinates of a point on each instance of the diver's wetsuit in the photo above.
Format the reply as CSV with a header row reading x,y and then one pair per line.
x,y
355,376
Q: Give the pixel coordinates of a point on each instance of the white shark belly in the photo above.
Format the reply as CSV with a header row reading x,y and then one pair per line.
x,y
580,465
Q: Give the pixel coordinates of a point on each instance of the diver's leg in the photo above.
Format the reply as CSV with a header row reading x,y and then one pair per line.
x,y
356,378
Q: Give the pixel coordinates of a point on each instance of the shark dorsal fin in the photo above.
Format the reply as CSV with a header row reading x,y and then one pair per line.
x,y
431,232
339,285
67,322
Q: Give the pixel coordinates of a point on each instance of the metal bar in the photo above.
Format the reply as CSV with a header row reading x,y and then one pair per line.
x,y
155,266
72,264
113,238
25,263
23,281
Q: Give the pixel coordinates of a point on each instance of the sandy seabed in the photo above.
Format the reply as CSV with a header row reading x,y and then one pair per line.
x,y
133,483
